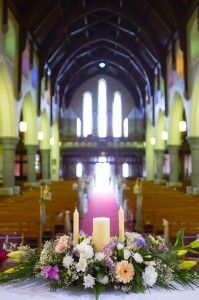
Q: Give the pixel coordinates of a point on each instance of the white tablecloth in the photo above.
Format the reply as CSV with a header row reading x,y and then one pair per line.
x,y
32,290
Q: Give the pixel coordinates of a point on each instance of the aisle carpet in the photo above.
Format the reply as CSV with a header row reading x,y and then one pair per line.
x,y
100,205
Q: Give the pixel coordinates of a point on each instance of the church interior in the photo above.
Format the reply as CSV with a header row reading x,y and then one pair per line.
x,y
99,109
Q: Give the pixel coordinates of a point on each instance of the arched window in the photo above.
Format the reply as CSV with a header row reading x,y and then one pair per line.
x,y
79,169
125,170
34,75
25,63
102,108
117,115
87,114
10,42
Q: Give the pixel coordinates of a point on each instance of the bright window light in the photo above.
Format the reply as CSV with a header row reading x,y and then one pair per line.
x,y
87,114
102,108
102,65
102,159
125,170
152,141
126,127
79,169
117,115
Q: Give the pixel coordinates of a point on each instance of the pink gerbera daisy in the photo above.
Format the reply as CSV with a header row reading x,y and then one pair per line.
x,y
124,271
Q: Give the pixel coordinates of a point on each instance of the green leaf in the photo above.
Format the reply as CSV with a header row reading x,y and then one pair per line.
x,y
179,239
193,251
97,289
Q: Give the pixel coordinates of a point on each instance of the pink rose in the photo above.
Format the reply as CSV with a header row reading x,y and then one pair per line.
x,y
61,246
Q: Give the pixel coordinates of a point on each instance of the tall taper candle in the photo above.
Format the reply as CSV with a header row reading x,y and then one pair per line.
x,y
75,227
121,224
101,233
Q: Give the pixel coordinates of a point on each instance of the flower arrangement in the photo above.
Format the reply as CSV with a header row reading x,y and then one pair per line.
x,y
129,266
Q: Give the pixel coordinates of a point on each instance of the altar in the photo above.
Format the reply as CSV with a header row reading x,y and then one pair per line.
x,y
39,290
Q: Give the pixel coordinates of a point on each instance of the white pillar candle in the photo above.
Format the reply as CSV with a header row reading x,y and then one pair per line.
x,y
121,224
101,233
75,227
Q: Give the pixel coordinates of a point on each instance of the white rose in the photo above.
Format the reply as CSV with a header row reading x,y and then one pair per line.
x,y
127,254
120,246
104,280
99,256
85,251
138,258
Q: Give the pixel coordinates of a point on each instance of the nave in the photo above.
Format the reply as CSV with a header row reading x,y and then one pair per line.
x,y
20,214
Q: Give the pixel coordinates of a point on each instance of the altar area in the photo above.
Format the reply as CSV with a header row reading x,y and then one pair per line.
x,y
40,291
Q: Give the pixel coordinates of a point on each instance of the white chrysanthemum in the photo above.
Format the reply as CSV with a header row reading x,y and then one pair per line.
x,y
85,251
89,281
120,246
81,265
103,280
68,261
138,258
149,276
99,256
127,254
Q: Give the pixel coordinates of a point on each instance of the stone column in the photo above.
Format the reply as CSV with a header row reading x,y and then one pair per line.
x,y
174,165
159,165
9,147
31,152
45,164
194,144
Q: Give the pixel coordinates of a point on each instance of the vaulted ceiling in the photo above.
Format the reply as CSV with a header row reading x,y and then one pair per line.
x,y
133,37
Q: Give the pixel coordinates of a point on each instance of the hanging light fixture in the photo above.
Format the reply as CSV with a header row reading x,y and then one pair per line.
x,y
152,141
164,135
40,135
22,126
182,126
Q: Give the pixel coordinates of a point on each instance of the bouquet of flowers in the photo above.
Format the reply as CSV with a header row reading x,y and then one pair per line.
x,y
129,266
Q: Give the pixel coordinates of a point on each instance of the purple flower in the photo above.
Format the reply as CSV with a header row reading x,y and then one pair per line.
x,y
138,243
108,248
109,263
51,272
81,233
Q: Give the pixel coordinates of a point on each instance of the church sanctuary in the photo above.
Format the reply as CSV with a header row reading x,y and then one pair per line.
x,y
99,124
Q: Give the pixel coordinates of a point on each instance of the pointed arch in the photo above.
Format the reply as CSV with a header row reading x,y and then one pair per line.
x,y
175,116
194,128
160,127
45,128
7,105
29,116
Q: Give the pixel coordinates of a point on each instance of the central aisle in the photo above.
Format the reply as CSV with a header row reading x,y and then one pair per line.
x,y
101,205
